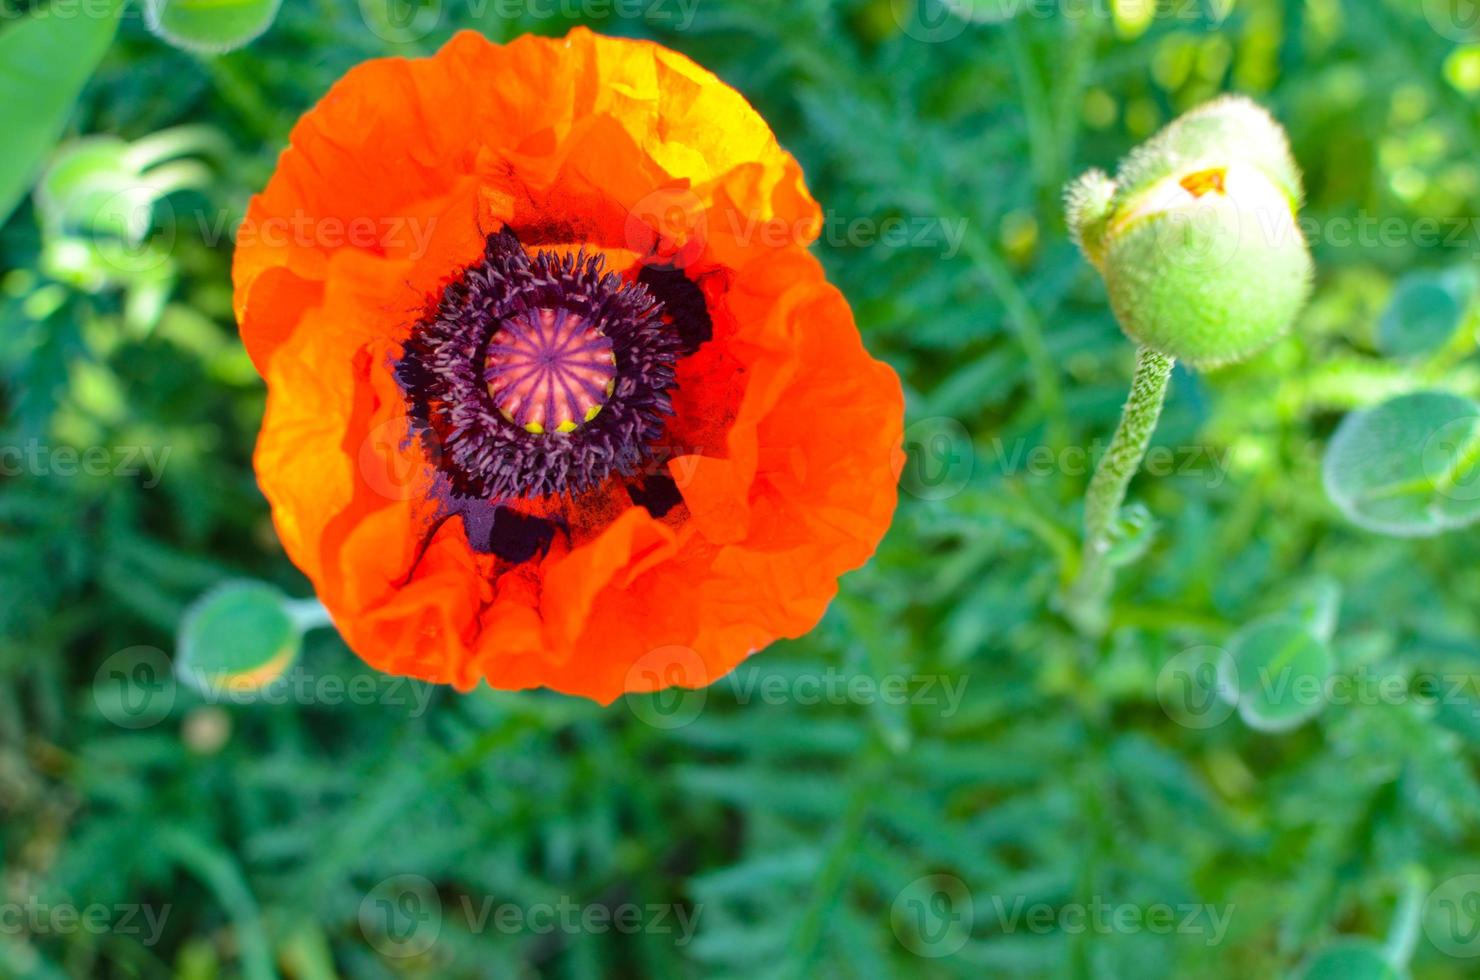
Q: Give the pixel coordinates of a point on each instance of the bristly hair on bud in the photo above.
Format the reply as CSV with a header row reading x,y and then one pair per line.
x,y
1088,205
1227,128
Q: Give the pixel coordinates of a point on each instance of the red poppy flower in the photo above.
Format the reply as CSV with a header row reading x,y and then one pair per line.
x,y
556,394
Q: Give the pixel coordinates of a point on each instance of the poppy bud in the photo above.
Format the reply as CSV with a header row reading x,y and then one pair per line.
x,y
1196,236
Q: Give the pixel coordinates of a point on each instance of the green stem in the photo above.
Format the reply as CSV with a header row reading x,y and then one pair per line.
x,y
177,175
213,866
1073,72
179,141
308,614
1041,144
1403,935
1086,600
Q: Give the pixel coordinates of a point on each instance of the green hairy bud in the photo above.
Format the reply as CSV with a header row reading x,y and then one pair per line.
x,y
1196,236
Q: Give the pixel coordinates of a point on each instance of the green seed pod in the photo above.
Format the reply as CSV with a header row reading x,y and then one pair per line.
x,y
1196,236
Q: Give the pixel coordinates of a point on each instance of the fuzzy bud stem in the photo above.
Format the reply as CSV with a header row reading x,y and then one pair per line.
x,y
1086,599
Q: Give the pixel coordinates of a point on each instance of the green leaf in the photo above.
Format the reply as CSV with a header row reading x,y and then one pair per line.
x,y
1351,959
96,211
1279,669
98,205
237,638
1409,467
1317,602
210,26
44,63
1130,536
79,190
1425,311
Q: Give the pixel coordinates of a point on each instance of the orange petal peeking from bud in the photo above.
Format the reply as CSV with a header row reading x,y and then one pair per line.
x,y
1205,182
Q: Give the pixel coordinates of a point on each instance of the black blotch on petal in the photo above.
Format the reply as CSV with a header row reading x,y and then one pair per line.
x,y
506,533
657,493
683,301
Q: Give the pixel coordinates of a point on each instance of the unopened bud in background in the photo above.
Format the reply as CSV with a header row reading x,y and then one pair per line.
x,y
1196,236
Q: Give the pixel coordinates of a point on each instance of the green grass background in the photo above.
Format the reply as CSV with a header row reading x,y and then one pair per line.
x,y
275,837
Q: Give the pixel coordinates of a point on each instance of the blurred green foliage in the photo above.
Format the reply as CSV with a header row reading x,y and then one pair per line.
x,y
865,835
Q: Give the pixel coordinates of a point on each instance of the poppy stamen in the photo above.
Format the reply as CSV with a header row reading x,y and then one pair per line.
x,y
537,374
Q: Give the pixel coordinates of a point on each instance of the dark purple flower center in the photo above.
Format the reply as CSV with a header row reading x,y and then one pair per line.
x,y
538,374
535,376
